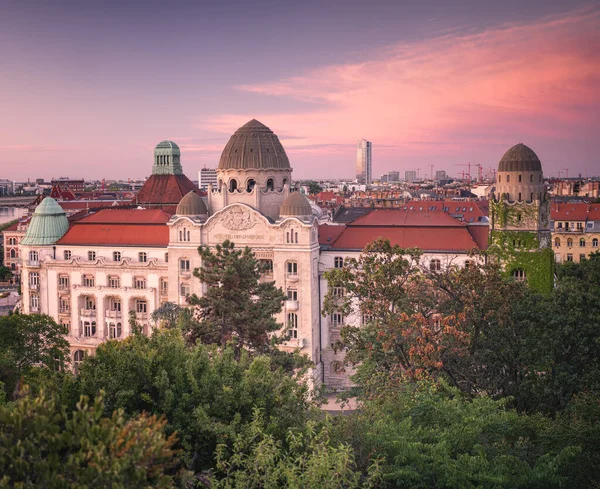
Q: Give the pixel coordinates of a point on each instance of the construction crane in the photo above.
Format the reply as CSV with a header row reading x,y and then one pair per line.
x,y
479,172
567,170
468,165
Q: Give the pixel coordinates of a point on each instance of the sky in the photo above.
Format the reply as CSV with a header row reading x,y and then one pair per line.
x,y
87,88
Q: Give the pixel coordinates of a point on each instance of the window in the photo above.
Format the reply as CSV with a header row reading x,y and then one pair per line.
x,y
164,286
560,225
140,306
34,302
337,320
184,265
115,305
338,262
115,331
270,184
518,274
78,358
63,282
184,234
569,242
520,178
531,178
569,257
13,253
292,295
292,319
34,280
499,178
89,328
582,243
91,255
166,258
184,289
139,283
531,197
88,281
292,268
435,265
266,267
142,257
116,256
67,254
582,257
114,282
250,185
468,263
507,178
64,304
337,292
557,242
595,243
90,303
291,236
33,257
519,196
233,185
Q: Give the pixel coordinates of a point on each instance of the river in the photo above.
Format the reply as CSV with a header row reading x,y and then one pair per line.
x,y
8,214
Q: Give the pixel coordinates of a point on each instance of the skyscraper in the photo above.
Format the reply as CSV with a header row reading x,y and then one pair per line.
x,y
363,162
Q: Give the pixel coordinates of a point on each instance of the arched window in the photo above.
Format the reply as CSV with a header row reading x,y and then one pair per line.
x,y
250,185
569,242
507,178
285,181
520,197
531,197
233,185
595,243
292,319
435,265
270,184
499,179
78,358
518,274
557,242
520,178
582,243
115,330
13,253
531,178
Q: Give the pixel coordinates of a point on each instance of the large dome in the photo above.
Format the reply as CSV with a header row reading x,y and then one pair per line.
x,y
48,224
520,158
254,146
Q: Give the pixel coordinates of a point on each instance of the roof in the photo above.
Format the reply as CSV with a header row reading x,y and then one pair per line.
x,y
575,212
328,233
167,145
295,204
349,214
191,205
254,146
520,158
397,217
127,216
448,239
81,233
164,189
48,224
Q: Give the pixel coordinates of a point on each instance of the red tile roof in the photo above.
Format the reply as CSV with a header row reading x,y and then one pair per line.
x,y
116,235
425,238
579,211
328,233
164,189
127,216
397,217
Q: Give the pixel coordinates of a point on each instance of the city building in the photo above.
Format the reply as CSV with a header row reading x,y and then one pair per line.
x,y
6,187
12,237
393,176
440,175
575,230
410,176
65,183
206,177
364,162
91,272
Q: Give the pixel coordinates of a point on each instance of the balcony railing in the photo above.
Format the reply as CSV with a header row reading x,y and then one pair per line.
x,y
34,309
141,315
295,342
64,310
88,313
113,314
33,263
34,286
292,277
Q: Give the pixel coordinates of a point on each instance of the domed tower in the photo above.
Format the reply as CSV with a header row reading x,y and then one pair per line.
x,y
296,205
167,159
192,205
254,169
520,217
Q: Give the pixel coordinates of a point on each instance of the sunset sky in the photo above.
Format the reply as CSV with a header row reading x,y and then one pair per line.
x,y
88,88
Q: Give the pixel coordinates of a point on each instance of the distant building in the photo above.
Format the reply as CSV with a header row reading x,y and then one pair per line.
x,y
6,187
440,175
69,184
410,176
393,176
363,162
384,178
207,176
575,230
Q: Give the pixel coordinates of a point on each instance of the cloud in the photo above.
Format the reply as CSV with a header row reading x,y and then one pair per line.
x,y
537,81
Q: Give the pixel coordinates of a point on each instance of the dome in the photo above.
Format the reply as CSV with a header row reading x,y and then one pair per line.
x,y
48,224
169,145
520,158
296,205
191,205
254,146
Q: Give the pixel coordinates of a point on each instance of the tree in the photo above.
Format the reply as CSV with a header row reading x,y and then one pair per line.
x,y
44,445
237,306
314,188
171,315
5,273
29,343
207,393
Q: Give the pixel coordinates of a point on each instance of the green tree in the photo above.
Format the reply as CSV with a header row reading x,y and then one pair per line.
x,y
237,306
28,344
313,187
171,315
5,273
207,394
44,445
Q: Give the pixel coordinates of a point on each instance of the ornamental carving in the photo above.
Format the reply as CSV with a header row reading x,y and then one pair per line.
x,y
238,218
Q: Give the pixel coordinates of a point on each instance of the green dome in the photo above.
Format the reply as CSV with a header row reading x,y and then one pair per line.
x,y
48,224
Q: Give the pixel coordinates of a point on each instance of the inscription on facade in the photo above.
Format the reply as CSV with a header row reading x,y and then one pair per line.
x,y
239,236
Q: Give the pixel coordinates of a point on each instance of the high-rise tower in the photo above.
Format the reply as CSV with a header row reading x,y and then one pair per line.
x,y
363,162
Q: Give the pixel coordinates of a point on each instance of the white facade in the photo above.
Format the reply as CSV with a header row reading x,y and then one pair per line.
x,y
206,177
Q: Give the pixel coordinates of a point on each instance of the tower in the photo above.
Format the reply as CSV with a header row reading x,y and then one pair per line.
x,y
167,159
520,219
363,162
254,169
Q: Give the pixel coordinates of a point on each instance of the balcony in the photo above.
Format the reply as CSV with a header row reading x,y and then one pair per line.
x,y
295,342
89,313
185,273
64,312
34,309
293,278
291,305
34,286
141,316
113,314
33,263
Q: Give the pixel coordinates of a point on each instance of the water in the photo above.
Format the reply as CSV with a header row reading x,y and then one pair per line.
x,y
8,214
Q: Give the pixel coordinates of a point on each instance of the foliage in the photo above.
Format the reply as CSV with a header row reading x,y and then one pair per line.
x,y
5,273
29,343
236,306
44,445
207,394
171,315
313,187
429,436
309,459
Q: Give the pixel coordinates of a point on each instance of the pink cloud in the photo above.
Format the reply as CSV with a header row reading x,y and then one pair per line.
x,y
500,86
